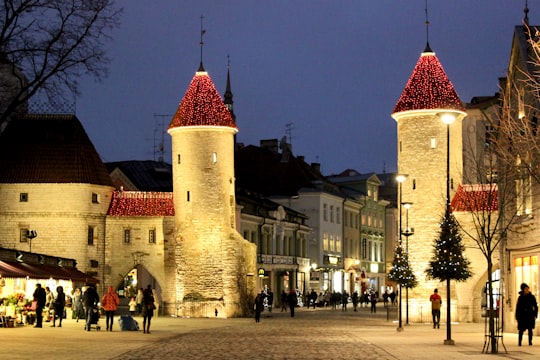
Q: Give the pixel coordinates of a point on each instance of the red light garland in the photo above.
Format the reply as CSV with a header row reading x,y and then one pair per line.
x,y
202,105
479,197
428,88
141,203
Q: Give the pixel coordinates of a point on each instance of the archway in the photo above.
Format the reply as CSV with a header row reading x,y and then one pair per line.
x,y
138,277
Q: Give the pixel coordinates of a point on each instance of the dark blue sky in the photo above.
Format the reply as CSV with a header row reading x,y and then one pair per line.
x,y
334,69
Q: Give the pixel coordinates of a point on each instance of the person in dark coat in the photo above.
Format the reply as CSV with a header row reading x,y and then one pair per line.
x,y
59,305
90,299
292,299
526,313
148,308
259,307
40,297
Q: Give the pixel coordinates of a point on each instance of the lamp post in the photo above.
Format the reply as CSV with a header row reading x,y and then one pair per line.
x,y
400,178
407,233
448,118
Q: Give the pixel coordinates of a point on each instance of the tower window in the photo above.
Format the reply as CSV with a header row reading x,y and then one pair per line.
x,y
214,157
23,197
187,197
90,235
95,199
152,236
179,159
433,143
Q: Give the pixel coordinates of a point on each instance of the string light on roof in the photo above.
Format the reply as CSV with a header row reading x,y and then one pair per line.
x,y
428,88
202,105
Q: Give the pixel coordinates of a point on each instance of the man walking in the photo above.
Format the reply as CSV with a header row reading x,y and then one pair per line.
x,y
436,303
40,297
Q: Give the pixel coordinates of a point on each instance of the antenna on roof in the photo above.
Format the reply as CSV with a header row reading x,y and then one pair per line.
x,y
201,67
428,48
160,148
288,130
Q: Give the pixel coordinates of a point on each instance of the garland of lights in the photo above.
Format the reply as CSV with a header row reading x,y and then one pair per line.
x,y
428,88
202,105
141,203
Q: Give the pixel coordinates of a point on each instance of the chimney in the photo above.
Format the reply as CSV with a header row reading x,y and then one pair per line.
x,y
301,158
270,144
316,167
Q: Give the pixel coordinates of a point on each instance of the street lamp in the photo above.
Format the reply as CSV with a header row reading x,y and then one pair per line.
x,y
400,178
448,118
407,233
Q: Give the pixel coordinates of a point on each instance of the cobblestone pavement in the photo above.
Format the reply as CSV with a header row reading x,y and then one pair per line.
x,y
311,334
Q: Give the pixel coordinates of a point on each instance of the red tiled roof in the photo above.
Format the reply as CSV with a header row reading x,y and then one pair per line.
x,y
428,88
141,203
202,105
49,148
478,197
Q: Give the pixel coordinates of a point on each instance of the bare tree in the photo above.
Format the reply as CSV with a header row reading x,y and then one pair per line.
x,y
496,195
46,45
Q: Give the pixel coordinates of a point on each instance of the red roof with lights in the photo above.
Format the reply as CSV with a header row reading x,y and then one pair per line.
x,y
141,203
477,197
202,105
428,88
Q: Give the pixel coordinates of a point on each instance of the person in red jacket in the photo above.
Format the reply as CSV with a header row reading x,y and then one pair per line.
x,y
110,303
436,302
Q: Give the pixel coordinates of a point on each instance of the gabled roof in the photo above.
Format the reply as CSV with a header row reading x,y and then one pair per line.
x,y
145,175
49,148
202,105
428,88
141,203
477,197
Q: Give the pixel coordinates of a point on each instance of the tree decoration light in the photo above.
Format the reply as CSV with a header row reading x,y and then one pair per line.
x,y
202,105
401,272
448,261
428,88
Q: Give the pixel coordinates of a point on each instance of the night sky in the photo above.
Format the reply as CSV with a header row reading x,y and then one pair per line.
x,y
332,69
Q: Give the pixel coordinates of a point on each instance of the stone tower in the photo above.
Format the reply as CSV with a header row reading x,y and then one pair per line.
x,y
215,266
422,157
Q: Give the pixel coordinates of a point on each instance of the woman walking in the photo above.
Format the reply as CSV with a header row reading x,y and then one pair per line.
x,y
148,307
526,313
110,303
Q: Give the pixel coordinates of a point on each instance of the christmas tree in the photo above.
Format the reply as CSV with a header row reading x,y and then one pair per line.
x,y
401,272
448,262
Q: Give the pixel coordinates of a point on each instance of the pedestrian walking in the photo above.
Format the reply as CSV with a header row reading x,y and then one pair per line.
x,y
270,299
373,298
77,305
110,303
436,302
139,300
132,306
526,313
40,297
292,300
148,308
283,301
90,299
59,304
259,307
355,300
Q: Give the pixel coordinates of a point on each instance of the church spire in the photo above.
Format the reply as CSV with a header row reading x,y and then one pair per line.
x,y
526,11
228,96
428,48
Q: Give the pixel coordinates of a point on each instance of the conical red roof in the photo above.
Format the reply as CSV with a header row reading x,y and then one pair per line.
x,y
202,105
428,88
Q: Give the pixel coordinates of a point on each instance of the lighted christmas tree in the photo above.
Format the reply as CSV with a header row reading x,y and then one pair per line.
x,y
401,272
448,262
